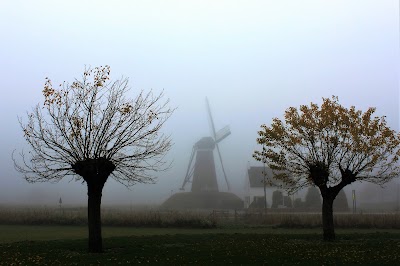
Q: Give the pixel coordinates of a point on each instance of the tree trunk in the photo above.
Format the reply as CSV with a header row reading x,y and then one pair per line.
x,y
327,218
94,216
95,173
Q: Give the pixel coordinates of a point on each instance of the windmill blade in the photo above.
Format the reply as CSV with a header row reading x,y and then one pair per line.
x,y
223,169
191,175
188,172
222,133
211,119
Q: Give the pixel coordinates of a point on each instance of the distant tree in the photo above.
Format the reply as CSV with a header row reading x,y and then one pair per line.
x,y
277,199
287,202
258,203
313,199
298,203
329,147
89,130
341,203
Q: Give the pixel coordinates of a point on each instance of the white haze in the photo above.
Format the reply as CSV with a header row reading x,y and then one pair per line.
x,y
252,59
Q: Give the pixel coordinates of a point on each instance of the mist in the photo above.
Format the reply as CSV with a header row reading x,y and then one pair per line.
x,y
252,59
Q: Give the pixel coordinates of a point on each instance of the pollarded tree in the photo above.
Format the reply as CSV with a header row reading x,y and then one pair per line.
x,y
89,130
330,147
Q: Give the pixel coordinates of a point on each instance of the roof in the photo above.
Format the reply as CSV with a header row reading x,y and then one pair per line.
x,y
256,176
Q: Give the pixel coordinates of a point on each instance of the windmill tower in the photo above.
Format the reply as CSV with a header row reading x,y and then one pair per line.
x,y
201,169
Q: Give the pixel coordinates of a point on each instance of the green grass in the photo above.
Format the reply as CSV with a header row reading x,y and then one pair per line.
x,y
222,246
15,233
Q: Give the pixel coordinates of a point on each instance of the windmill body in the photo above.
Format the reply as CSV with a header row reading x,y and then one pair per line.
x,y
204,174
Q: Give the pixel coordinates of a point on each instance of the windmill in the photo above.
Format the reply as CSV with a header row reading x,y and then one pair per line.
x,y
201,169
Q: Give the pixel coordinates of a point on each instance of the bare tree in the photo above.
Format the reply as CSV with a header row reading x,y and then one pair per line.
x,y
89,130
329,147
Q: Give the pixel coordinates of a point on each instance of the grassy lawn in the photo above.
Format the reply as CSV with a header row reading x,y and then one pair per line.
x,y
15,233
165,246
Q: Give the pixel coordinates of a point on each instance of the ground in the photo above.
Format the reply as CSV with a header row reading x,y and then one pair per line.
x,y
174,246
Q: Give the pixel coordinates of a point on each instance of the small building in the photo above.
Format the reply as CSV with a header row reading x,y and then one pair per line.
x,y
255,176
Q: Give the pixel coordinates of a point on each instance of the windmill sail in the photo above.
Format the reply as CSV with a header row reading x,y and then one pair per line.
x,y
188,171
211,119
223,169
222,133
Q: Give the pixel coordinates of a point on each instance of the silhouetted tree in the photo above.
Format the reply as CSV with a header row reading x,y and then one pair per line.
x,y
313,199
90,130
329,147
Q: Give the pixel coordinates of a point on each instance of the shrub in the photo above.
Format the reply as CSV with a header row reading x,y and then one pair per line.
x,y
277,199
298,203
313,199
287,202
258,203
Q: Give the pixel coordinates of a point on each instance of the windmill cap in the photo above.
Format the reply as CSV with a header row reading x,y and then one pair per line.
x,y
205,143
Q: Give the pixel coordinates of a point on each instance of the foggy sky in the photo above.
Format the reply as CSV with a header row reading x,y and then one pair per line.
x,y
252,59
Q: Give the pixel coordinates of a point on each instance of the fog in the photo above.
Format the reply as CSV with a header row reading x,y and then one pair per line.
x,y
252,59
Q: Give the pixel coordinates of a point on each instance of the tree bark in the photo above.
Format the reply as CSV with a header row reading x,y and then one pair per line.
x,y
94,216
327,218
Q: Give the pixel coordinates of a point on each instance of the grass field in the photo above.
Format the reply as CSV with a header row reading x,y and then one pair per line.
x,y
51,236
221,246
